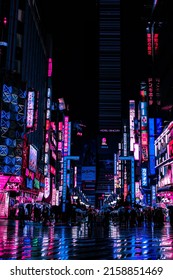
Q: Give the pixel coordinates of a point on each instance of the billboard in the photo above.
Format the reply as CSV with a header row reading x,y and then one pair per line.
x,y
12,123
66,135
88,173
30,109
151,147
3,181
32,158
132,128
144,177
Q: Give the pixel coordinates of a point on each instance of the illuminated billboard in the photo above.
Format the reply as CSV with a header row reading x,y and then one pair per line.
x,y
144,177
66,134
30,109
47,180
12,123
144,129
49,67
136,151
104,143
151,147
157,89
170,149
61,104
3,181
32,158
159,126
132,121
150,91
149,40
29,183
88,173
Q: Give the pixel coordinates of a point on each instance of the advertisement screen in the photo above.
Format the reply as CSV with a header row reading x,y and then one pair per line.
x,y
88,173
144,177
29,183
32,158
30,109
3,181
171,149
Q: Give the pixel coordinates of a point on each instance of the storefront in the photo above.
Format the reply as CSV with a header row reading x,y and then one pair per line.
x,y
165,195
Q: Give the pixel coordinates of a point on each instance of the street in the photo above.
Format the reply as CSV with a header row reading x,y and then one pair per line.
x,y
60,242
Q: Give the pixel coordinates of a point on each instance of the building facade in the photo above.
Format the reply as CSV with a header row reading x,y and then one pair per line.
x,y
23,88
109,94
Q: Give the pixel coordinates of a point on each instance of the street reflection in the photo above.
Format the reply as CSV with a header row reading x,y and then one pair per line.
x,y
78,242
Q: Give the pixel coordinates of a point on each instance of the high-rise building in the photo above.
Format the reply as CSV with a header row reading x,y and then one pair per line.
x,y
155,93
109,93
159,31
23,89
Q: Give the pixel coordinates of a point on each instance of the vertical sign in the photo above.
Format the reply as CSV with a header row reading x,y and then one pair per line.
x,y
132,127
47,146
30,109
151,147
66,134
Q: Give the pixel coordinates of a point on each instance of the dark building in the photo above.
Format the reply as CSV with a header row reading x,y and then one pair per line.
x,y
25,55
109,92
159,31
155,81
23,84
162,18
156,19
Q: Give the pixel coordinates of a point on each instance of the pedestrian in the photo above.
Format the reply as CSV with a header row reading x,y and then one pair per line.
x,y
126,217
133,217
106,219
37,214
171,216
139,217
91,217
21,215
121,216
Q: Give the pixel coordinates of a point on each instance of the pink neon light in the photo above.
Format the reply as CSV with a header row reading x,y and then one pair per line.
x,y
156,42
53,126
3,181
52,170
136,151
54,155
15,179
59,146
60,126
49,67
66,131
47,124
144,138
149,44
5,21
150,91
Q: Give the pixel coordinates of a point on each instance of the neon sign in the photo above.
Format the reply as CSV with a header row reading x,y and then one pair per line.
x,y
30,109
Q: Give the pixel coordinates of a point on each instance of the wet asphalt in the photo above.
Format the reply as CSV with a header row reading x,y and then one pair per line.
x,y
62,242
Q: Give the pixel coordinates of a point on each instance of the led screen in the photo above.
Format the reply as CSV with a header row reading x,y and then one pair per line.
x,y
32,159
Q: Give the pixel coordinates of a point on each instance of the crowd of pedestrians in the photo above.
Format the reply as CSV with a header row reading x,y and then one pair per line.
x,y
134,216
39,213
124,216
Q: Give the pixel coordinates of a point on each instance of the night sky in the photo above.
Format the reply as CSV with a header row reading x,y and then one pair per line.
x,y
73,27
134,50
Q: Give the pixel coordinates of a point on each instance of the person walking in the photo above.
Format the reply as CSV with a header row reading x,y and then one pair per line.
x,y
133,216
21,215
171,216
91,217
